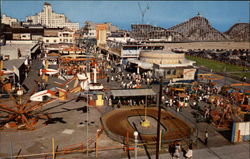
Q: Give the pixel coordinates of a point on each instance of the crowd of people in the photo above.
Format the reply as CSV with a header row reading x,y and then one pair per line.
x,y
175,149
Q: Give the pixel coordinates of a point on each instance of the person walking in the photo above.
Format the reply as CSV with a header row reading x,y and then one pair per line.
x,y
177,154
107,79
171,150
189,153
110,101
206,137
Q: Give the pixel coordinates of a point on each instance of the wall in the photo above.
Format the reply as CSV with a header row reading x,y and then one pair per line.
x,y
130,53
21,42
25,36
208,45
16,36
51,40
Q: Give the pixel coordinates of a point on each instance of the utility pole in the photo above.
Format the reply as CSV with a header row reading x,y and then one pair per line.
x,y
87,124
158,121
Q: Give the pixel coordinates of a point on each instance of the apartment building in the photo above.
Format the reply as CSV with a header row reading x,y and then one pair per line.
x,y
51,19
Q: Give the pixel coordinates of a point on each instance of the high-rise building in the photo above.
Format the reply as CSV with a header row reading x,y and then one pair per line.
x,y
50,19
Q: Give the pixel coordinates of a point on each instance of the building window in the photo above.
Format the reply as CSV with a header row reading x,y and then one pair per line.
x,y
168,72
47,41
174,72
54,41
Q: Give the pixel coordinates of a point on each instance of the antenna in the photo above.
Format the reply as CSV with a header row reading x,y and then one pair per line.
x,y
143,12
199,14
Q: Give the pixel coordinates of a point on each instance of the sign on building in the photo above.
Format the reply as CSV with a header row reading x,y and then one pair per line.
x,y
241,131
188,74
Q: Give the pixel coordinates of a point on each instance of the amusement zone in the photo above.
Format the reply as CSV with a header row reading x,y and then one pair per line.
x,y
99,91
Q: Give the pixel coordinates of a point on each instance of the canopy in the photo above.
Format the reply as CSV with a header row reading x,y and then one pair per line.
x,y
132,92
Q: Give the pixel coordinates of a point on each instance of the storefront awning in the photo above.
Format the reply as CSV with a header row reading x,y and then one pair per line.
x,y
132,92
141,64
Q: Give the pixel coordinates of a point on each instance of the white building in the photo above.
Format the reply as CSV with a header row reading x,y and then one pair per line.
x,y
63,36
51,40
8,20
89,30
51,19
66,36
166,64
21,36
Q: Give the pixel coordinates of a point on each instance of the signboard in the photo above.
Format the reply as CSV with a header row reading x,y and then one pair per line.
x,y
241,131
188,74
130,53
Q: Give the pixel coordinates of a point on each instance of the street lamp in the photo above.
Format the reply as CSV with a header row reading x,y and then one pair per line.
x,y
87,123
19,94
146,122
136,142
98,131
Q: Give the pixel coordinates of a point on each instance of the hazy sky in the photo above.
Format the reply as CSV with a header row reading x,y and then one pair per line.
x,y
222,15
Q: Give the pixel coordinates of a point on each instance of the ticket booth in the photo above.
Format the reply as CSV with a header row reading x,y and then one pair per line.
x,y
100,100
91,100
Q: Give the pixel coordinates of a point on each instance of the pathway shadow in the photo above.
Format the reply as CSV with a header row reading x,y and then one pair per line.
x,y
55,120
226,134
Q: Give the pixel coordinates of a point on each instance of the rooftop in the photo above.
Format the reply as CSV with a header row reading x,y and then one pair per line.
x,y
9,64
12,49
132,92
159,52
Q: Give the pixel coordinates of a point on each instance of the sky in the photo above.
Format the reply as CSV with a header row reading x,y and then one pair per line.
x,y
221,14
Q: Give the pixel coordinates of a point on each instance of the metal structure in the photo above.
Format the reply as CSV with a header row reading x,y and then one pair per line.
x,y
239,32
22,114
146,32
143,12
197,28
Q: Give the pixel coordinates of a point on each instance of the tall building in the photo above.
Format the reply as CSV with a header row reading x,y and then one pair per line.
x,y
50,19
8,20
101,34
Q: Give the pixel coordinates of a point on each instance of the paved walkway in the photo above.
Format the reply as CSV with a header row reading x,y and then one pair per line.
x,y
238,151
33,75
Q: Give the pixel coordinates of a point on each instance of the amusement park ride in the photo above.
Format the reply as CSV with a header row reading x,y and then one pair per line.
x,y
5,72
48,71
23,111
231,105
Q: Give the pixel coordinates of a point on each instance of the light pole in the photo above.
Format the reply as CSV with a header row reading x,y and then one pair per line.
x,y
97,137
87,123
136,142
19,94
158,120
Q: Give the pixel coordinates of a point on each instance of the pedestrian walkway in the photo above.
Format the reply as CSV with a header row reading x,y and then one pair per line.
x,y
238,151
33,74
